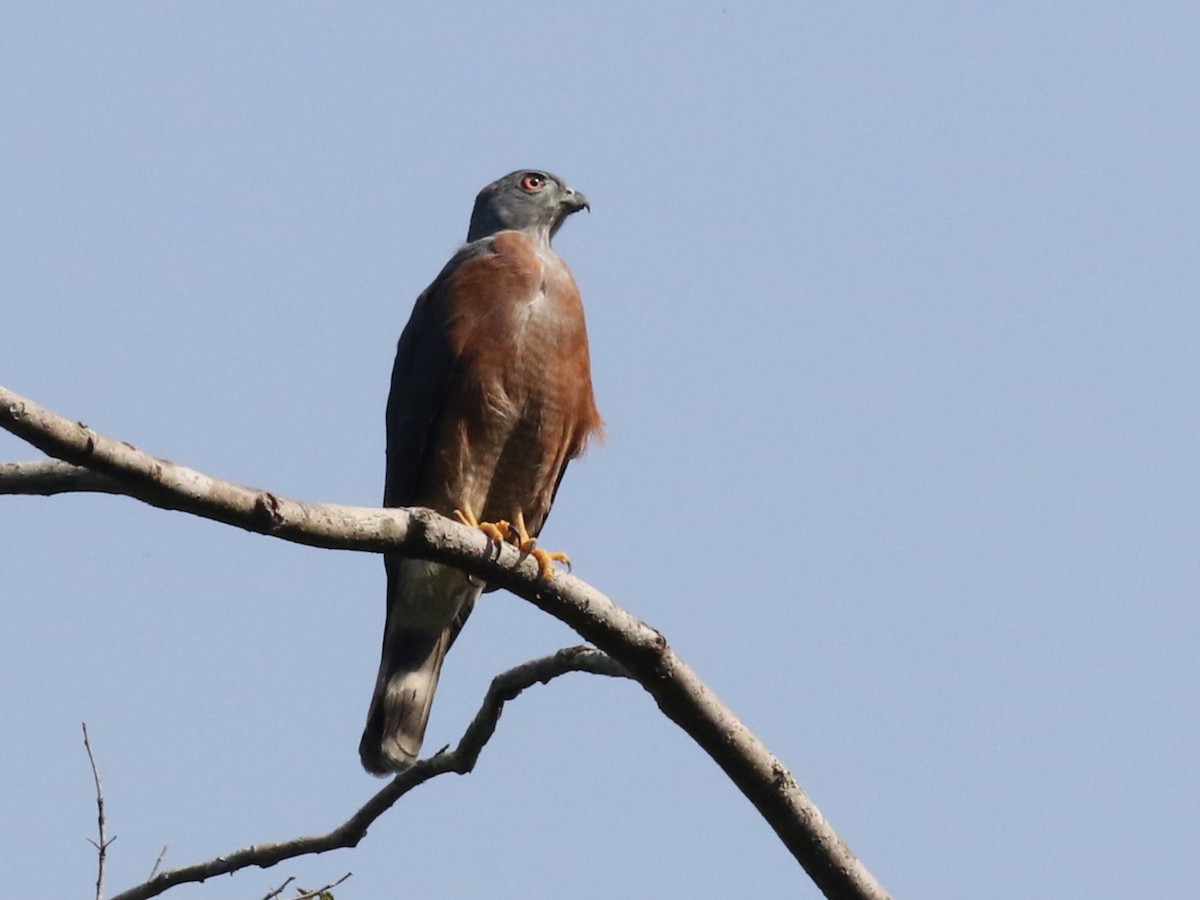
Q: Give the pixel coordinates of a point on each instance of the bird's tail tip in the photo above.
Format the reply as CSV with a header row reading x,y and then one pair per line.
x,y
408,677
382,758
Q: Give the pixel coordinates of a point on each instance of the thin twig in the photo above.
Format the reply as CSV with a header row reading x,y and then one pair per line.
x,y
271,895
102,845
504,687
320,892
158,862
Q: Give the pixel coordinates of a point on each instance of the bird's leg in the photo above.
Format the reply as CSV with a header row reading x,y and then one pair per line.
x,y
499,531
526,543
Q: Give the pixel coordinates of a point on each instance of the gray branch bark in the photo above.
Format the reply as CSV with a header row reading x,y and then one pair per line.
x,y
640,649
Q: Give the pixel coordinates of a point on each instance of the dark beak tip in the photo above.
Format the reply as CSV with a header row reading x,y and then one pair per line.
x,y
580,201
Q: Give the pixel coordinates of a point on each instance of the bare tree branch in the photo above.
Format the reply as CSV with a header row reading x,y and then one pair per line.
x,y
642,650
102,843
51,476
504,687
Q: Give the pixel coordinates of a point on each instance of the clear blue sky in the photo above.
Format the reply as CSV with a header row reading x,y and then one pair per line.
x,y
894,325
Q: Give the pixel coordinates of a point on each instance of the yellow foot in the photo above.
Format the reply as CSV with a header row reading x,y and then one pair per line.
x,y
499,531
526,543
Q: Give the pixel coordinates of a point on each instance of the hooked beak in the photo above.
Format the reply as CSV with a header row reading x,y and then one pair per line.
x,y
574,201
570,201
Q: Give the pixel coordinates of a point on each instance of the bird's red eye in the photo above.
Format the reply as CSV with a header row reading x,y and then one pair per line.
x,y
533,182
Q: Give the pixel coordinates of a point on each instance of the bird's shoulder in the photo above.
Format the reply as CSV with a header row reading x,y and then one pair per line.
x,y
502,262
510,250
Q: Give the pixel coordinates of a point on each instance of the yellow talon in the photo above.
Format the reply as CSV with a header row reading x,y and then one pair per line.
x,y
546,559
499,531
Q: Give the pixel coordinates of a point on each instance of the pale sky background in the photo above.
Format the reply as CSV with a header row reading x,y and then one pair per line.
x,y
894,325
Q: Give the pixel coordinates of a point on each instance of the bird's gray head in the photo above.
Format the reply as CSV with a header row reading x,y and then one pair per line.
x,y
526,200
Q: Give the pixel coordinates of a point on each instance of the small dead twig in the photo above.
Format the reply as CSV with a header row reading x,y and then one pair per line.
x,y
103,843
319,893
271,895
158,862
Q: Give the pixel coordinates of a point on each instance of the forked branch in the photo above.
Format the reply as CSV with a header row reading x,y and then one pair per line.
x,y
640,649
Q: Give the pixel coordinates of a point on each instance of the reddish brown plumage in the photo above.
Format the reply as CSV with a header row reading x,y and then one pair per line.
x,y
520,401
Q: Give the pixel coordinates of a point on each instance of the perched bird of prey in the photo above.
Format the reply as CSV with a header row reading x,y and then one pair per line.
x,y
491,398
